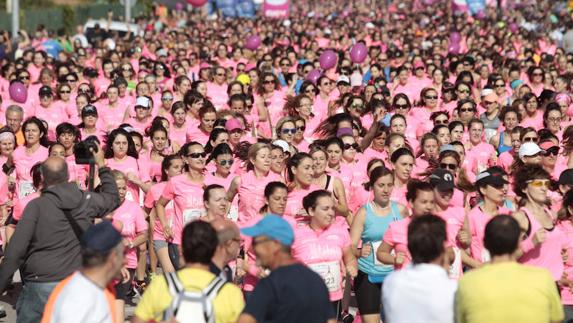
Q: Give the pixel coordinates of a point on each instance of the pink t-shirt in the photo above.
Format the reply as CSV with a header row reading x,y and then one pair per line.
x,y
188,198
133,223
198,135
112,117
477,221
20,205
53,115
397,237
217,94
151,198
454,217
24,163
294,206
479,156
210,178
251,194
322,251
548,254
126,166
536,122
567,229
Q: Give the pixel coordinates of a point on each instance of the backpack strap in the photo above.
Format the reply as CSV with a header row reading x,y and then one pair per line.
x,y
214,287
173,283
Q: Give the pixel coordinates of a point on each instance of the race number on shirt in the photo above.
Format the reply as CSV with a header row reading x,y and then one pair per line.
x,y
330,273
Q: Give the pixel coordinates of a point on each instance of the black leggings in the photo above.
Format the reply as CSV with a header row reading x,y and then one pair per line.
x,y
367,294
122,289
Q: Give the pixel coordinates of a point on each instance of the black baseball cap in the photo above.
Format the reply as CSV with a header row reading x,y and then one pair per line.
x,y
491,176
102,237
442,179
89,110
46,91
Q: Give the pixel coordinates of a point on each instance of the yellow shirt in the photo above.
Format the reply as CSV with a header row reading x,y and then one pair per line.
x,y
508,292
228,303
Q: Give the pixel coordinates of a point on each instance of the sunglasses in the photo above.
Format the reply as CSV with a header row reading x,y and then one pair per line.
x,y
356,106
226,162
197,155
309,90
286,65
126,69
24,77
269,82
466,110
537,74
448,166
167,98
71,81
530,139
499,85
326,84
464,91
220,74
65,92
301,128
286,131
431,97
488,103
538,183
354,146
445,121
552,151
402,106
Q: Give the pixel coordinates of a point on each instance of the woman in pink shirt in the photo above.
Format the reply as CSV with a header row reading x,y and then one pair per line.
x,y
207,117
162,226
544,241
24,157
565,223
222,158
250,186
286,130
428,153
51,113
269,102
82,100
164,109
185,190
89,125
301,106
552,118
120,154
403,163
328,182
324,245
533,117
536,78
394,247
143,118
159,148
113,111
63,99
131,219
300,180
178,129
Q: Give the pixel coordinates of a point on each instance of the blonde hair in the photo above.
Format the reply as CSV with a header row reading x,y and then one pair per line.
x,y
253,151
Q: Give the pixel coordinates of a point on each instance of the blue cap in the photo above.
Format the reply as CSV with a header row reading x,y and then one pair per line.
x,y
101,237
274,227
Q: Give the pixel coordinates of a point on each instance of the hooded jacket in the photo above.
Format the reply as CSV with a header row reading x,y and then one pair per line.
x,y
44,245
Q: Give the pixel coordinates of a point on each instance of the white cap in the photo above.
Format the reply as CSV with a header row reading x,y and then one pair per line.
x,y
283,144
529,149
143,101
370,25
343,78
486,92
162,52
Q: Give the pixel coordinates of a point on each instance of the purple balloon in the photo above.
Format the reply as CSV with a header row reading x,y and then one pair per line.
x,y
313,76
358,53
18,92
197,3
327,59
454,48
455,37
480,15
253,42
430,2
513,27
179,6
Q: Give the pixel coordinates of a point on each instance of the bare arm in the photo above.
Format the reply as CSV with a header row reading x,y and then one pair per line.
x,y
341,205
356,230
244,318
234,188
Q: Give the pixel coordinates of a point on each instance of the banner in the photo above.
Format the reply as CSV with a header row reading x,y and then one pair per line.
x,y
235,8
276,8
476,6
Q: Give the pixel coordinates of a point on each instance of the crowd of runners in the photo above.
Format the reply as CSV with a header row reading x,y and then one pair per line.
x,y
362,139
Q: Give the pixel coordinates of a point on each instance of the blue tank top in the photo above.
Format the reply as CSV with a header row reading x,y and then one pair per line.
x,y
374,228
501,148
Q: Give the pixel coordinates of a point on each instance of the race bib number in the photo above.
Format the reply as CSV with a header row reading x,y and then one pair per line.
x,y
191,214
25,189
330,273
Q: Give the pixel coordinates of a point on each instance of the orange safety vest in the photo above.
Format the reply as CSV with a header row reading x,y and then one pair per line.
x,y
49,308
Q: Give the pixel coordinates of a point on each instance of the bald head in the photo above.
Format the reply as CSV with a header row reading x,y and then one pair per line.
x,y
54,171
226,230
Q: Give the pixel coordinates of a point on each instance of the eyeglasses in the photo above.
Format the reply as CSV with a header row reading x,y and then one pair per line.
x,y
538,183
466,110
354,146
301,128
445,121
197,155
309,90
448,166
269,82
402,106
552,151
431,97
226,162
64,92
167,98
554,120
531,139
286,131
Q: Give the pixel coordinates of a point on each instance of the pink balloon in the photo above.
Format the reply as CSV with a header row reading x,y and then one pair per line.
x,y
197,3
480,15
454,48
313,76
18,92
179,6
513,27
430,2
253,42
455,37
358,53
327,59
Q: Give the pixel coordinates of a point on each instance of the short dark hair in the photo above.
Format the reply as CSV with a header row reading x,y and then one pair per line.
x,y
199,242
208,189
426,237
310,200
501,235
414,186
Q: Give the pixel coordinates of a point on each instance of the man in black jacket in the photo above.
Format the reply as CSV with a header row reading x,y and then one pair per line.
x,y
46,243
